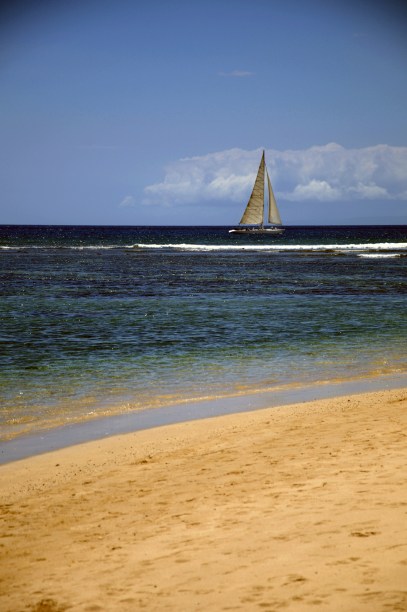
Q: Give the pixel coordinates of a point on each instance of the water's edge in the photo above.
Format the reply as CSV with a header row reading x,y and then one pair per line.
x,y
78,433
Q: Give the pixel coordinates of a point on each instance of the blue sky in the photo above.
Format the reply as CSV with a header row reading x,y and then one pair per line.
x,y
155,112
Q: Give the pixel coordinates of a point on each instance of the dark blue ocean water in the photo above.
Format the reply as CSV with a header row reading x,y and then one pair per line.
x,y
97,320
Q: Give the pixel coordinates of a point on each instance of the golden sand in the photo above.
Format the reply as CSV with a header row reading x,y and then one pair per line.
x,y
298,508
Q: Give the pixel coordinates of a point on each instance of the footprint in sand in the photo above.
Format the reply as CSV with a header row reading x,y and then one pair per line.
x,y
48,605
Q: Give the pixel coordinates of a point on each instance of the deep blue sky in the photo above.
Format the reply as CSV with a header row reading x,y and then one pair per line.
x,y
155,112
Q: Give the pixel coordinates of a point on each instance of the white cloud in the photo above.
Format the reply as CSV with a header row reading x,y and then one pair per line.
x,y
314,190
369,192
320,173
127,202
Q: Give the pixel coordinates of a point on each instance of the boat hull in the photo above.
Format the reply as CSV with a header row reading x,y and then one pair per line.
x,y
257,230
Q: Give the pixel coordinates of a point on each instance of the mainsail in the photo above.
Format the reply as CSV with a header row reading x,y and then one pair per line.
x,y
254,212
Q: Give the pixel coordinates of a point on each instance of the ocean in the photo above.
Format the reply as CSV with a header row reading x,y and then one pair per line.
x,y
105,320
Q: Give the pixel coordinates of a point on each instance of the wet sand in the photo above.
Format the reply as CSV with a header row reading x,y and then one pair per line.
x,y
296,508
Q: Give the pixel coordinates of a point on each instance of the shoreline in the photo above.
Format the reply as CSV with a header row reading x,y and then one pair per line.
x,y
296,506
48,440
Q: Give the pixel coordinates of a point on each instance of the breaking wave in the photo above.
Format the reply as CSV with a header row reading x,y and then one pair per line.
x,y
379,246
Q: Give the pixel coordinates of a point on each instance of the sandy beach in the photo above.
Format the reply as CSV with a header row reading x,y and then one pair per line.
x,y
298,508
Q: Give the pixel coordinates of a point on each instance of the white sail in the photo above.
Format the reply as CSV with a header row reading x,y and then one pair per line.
x,y
274,216
254,213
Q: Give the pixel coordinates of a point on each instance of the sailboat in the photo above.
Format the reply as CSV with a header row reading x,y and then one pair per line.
x,y
252,221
